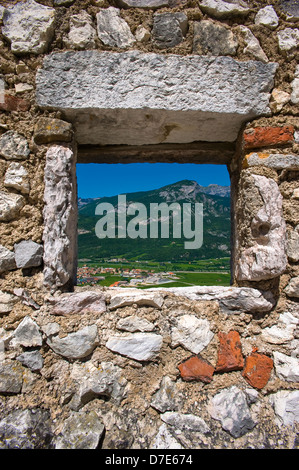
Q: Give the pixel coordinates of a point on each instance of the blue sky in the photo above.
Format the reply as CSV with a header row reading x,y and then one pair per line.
x,y
98,180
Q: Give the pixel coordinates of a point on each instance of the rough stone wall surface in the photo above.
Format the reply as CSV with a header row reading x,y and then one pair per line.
x,y
185,369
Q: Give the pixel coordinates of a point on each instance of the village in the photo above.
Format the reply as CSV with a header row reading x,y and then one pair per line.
x,y
87,275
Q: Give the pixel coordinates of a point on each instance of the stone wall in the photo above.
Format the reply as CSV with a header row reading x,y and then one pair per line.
x,y
167,368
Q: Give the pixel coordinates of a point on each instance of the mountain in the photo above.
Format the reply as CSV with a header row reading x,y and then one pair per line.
x,y
216,225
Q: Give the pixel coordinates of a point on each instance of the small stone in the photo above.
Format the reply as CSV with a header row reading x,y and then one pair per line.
x,y
213,39
146,4
169,29
28,254
142,34
192,333
11,377
78,302
252,45
14,146
277,161
278,99
292,289
10,206
231,409
142,299
295,87
26,429
23,87
257,371
82,34
82,430
51,329
185,422
286,367
138,346
75,345
165,440
196,368
285,404
292,243
63,3
31,359
113,30
165,399
49,130
7,260
7,302
268,136
13,103
224,9
283,331
29,27
16,177
134,323
288,41
267,17
230,352
27,334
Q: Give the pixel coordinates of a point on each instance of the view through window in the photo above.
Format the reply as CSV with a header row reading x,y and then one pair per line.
x,y
151,225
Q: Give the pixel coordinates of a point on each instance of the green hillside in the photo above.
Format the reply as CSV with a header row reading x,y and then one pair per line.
x,y
216,226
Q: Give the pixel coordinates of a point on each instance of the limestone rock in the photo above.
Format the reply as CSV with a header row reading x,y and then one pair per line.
x,y
266,257
283,331
60,217
142,34
7,302
79,302
192,333
16,177
165,440
7,260
10,206
277,161
278,99
180,90
63,3
231,299
49,130
213,39
112,29
286,367
293,244
80,431
292,289
252,45
29,27
224,9
23,87
14,146
31,359
26,429
267,17
138,346
105,381
27,334
134,323
166,398
141,298
188,422
285,404
28,254
290,8
82,33
288,40
169,29
295,87
146,4
11,377
75,345
230,408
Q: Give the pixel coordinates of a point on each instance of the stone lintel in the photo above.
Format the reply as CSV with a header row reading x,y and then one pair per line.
x,y
133,98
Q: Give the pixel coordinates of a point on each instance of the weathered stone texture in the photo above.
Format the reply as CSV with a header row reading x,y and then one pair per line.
x,y
14,146
112,29
213,39
240,92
